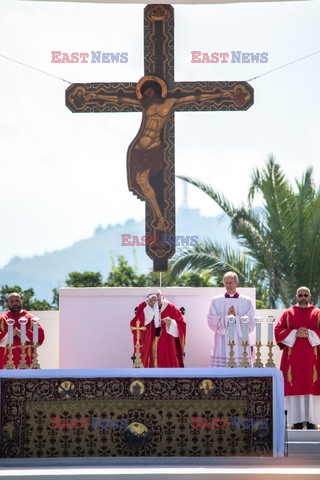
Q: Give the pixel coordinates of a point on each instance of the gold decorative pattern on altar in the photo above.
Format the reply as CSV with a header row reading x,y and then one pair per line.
x,y
132,417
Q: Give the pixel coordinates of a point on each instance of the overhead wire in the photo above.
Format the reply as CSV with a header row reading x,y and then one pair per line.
x,y
34,68
283,66
249,80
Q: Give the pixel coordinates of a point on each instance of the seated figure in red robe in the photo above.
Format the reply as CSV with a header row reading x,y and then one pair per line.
x,y
162,332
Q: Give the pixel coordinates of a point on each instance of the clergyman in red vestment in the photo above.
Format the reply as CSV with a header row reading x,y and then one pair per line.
x,y
298,334
15,312
163,338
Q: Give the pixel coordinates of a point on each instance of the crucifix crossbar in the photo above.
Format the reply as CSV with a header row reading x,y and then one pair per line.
x,y
150,156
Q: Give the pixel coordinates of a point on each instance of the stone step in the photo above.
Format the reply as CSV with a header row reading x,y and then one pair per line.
x,y
303,442
297,467
304,435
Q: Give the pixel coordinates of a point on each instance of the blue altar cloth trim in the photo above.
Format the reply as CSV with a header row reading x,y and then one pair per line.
x,y
142,372
277,380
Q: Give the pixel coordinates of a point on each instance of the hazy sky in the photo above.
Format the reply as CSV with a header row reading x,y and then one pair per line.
x,y
62,174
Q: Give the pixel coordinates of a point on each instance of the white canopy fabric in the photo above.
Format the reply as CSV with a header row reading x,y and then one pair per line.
x,y
167,1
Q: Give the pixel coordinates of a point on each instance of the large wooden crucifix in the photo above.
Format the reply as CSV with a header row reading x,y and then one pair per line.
x,y
150,157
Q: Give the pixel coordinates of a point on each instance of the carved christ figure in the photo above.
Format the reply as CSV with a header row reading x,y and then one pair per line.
x,y
145,159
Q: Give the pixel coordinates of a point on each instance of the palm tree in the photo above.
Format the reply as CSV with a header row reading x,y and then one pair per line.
x,y
280,243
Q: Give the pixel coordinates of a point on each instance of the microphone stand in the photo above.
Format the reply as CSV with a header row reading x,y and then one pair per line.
x,y
286,444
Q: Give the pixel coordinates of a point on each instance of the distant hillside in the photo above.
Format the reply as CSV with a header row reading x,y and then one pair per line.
x,y
45,272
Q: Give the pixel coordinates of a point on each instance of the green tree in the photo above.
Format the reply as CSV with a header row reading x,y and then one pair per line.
x,y
39,305
55,298
280,243
122,275
85,279
190,279
193,279
213,261
29,303
77,280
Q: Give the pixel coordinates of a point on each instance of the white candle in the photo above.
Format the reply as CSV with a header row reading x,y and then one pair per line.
x,y
244,331
270,328
231,333
258,329
231,319
10,334
270,332
244,321
35,321
258,332
10,323
23,335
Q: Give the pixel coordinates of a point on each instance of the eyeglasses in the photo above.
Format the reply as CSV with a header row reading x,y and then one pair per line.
x,y
303,294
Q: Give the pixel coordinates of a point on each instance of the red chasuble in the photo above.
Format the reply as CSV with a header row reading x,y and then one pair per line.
x,y
163,351
16,350
300,364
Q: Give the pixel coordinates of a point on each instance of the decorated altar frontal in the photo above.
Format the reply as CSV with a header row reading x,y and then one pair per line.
x,y
142,413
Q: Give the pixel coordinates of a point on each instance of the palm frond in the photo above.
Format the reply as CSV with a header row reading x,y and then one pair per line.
x,y
208,257
280,248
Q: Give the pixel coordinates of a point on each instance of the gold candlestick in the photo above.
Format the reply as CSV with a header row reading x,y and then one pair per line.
x,y
137,357
9,365
231,363
258,363
23,364
270,363
245,363
35,362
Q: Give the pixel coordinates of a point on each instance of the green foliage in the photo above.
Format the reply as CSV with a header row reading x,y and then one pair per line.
x,y
85,279
39,305
55,298
153,279
280,242
122,275
29,303
190,279
193,279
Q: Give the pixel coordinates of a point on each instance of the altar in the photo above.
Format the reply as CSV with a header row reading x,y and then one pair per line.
x,y
191,412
